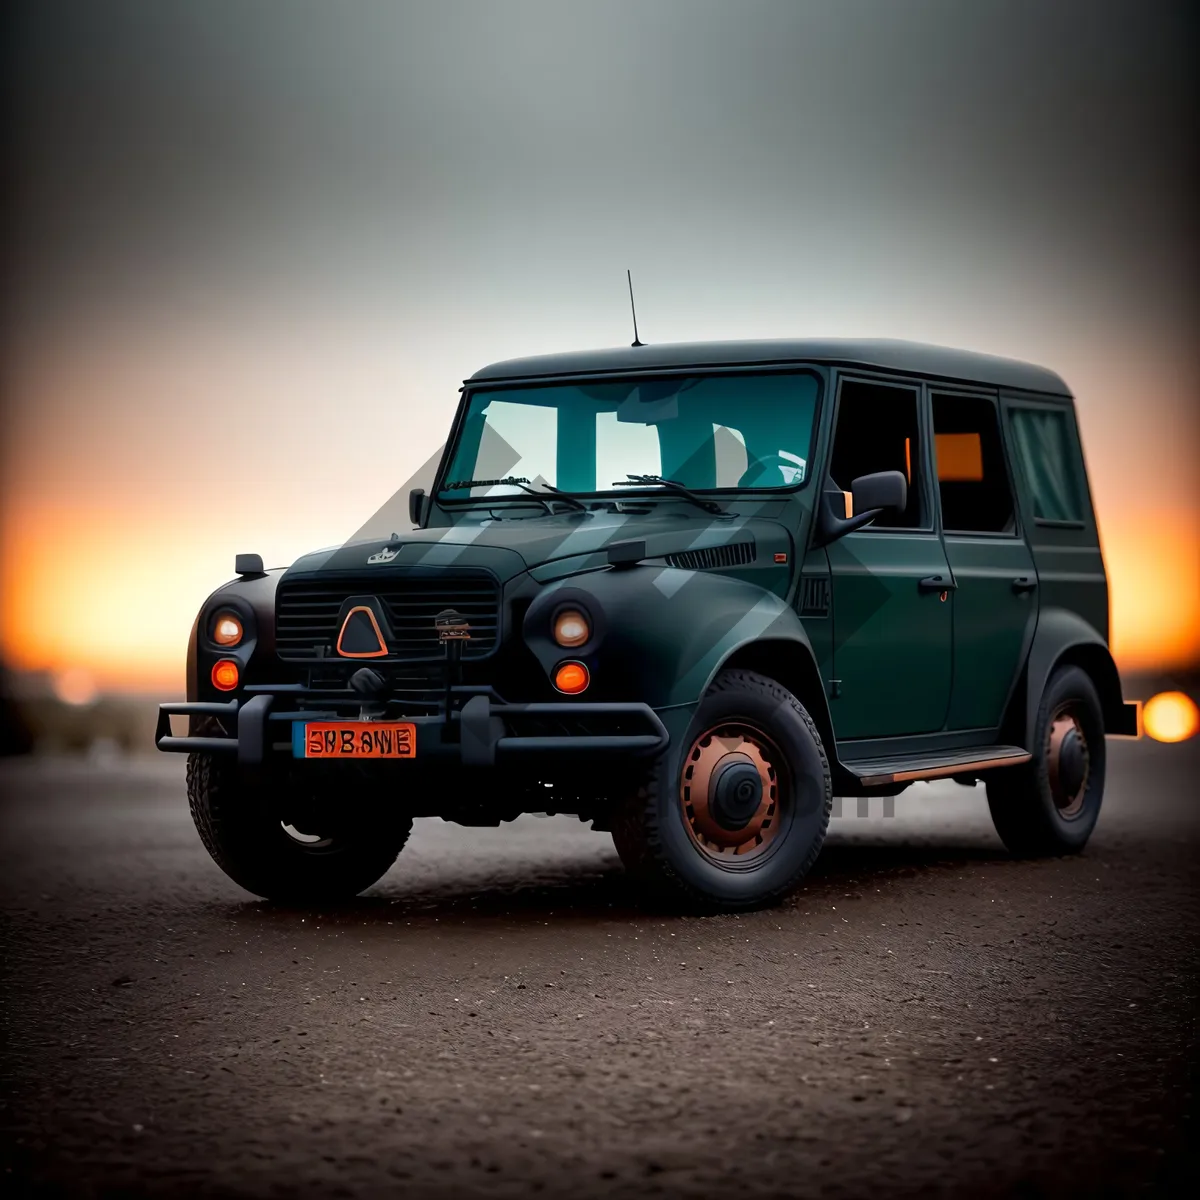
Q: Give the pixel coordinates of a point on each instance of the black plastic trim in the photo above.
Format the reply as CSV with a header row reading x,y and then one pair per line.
x,y
480,725
163,739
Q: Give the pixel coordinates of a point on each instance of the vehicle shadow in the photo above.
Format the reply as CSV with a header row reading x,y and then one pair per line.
x,y
595,890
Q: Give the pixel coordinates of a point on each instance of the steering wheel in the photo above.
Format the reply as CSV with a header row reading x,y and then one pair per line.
x,y
789,472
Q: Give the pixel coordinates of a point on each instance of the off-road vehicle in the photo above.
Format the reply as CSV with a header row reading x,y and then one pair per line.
x,y
688,593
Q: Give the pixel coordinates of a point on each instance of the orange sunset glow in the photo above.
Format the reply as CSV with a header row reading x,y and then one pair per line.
x,y
252,261
126,622
113,535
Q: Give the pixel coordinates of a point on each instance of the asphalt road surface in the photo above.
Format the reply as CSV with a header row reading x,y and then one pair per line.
x,y
498,1017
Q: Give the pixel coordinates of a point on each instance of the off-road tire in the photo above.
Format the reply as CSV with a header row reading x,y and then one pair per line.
x,y
650,829
1021,799
240,820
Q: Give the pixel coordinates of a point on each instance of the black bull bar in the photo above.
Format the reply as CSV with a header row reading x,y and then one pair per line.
x,y
474,735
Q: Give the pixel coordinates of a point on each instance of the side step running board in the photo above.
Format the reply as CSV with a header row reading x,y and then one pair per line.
x,y
904,768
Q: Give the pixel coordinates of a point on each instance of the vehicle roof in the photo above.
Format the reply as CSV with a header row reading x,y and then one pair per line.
x,y
913,358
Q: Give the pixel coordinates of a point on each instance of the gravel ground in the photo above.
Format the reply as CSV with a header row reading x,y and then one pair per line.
x,y
498,1017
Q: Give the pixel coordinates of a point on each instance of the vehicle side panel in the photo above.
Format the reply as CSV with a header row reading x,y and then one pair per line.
x,y
1073,623
1067,554
814,603
993,625
891,639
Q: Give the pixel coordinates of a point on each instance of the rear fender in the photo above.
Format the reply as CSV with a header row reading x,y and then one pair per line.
x,y
1064,638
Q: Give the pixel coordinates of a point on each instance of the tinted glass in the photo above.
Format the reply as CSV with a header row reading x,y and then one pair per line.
x,y
877,430
1041,440
716,431
972,478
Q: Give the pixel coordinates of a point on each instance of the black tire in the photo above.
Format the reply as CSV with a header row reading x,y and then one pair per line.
x,y
656,831
244,821
1037,809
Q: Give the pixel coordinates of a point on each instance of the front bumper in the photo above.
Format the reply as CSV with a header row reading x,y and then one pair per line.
x,y
474,734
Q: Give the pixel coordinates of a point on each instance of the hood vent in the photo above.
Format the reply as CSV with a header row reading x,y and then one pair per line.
x,y
736,554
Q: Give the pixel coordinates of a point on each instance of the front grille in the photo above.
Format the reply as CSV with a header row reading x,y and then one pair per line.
x,y
736,554
306,613
411,689
331,679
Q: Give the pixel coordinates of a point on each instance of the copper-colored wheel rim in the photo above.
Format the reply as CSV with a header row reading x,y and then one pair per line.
x,y
1067,762
741,746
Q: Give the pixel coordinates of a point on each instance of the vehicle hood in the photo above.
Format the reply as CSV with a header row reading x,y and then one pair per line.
x,y
512,545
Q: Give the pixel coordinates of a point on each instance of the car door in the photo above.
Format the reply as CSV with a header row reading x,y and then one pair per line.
x,y
892,625
995,598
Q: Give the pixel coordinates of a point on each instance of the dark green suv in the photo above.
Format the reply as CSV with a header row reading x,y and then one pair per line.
x,y
689,593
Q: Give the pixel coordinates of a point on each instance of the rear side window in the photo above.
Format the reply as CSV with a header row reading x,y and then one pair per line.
x,y
972,478
1041,439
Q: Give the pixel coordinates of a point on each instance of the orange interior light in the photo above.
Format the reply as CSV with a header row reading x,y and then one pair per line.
x,y
959,457
571,677
225,675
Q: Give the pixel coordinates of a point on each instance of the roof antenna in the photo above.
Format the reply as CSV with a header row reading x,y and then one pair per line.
x,y
636,340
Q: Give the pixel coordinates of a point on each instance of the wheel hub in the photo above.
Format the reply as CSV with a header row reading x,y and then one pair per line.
x,y
730,790
1067,763
736,792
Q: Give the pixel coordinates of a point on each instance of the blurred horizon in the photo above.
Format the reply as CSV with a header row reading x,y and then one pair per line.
x,y
253,255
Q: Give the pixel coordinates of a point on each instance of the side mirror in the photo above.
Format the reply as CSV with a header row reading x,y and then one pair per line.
x,y
870,495
882,490
418,506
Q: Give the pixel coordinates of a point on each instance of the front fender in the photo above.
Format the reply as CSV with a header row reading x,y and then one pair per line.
x,y
253,596
661,633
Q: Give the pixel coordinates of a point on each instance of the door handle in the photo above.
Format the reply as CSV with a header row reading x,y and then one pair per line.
x,y
1024,583
936,583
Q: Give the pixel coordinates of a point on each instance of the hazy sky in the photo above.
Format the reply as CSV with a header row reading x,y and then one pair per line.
x,y
257,246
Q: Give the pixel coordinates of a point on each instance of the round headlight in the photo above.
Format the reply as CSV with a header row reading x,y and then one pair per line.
x,y
227,629
571,628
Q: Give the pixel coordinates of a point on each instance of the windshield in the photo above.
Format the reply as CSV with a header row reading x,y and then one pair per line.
x,y
704,432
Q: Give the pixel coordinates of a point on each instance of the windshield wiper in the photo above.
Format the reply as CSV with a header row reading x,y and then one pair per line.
x,y
565,497
673,485
525,486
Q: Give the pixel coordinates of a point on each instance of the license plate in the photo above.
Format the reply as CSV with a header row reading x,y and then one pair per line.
x,y
354,739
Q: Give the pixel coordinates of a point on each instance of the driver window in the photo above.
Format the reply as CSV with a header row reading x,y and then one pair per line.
x,y
878,430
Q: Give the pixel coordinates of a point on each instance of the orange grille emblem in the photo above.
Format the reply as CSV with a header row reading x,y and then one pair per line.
x,y
361,636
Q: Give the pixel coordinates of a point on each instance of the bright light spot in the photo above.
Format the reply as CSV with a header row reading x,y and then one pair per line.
x,y
1170,717
228,631
75,686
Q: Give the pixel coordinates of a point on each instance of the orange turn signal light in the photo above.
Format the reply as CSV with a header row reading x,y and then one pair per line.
x,y
225,675
571,677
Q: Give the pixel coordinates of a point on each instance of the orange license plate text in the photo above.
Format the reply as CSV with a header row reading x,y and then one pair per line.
x,y
357,739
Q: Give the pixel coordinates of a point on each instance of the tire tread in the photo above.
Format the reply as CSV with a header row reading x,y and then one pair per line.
x,y
1019,797
239,834
637,823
